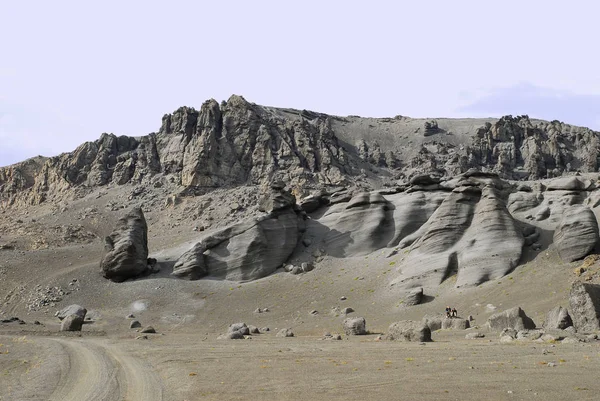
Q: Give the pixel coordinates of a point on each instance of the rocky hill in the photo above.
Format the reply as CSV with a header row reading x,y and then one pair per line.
x,y
460,199
239,143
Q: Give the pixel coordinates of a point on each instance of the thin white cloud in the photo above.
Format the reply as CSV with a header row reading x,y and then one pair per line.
x,y
538,102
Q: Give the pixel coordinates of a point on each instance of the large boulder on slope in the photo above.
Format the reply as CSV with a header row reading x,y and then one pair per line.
x,y
558,318
577,233
514,318
127,248
408,330
584,303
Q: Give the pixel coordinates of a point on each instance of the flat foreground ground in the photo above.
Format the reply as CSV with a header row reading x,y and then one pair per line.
x,y
194,367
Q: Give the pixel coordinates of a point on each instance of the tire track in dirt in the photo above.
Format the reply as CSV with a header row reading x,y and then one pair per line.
x,y
101,372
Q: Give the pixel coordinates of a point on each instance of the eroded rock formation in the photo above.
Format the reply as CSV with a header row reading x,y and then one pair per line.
x,y
248,250
127,248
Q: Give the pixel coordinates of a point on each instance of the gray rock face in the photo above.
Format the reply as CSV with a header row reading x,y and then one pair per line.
x,y
74,309
558,318
71,323
245,251
470,235
365,224
127,248
408,330
355,326
514,318
577,234
584,303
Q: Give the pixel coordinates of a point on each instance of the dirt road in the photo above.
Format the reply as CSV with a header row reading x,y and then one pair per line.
x,y
83,369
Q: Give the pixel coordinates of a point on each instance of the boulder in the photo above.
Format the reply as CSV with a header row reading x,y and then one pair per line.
x,y
71,323
148,329
234,335
474,335
241,327
414,297
135,324
584,303
577,233
514,318
455,324
72,310
409,330
529,334
355,326
127,248
285,333
433,322
558,318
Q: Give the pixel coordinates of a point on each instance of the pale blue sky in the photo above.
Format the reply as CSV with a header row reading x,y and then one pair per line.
x,y
70,70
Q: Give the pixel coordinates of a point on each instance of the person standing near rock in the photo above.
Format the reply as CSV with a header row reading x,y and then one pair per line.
x,y
454,313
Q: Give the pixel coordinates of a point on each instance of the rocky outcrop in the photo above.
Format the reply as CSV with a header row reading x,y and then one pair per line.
x,y
514,318
127,248
471,235
248,250
408,330
584,303
558,318
361,226
577,233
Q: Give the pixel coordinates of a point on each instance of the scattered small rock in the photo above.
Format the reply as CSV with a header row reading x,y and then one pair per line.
x,y
148,329
285,333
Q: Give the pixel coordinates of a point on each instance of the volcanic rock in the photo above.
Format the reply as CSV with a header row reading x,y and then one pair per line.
x,y
127,248
355,326
247,250
408,330
514,318
558,318
584,303
71,323
72,310
577,234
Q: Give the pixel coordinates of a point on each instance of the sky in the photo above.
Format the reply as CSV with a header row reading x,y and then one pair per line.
x,y
71,70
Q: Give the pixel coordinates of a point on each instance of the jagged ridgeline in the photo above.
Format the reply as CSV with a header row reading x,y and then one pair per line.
x,y
237,142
